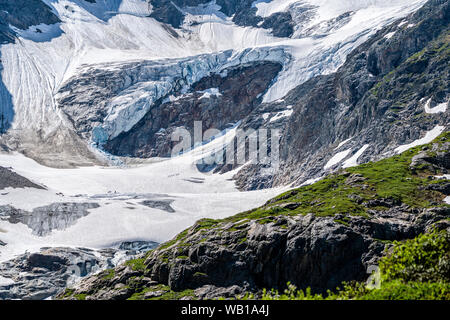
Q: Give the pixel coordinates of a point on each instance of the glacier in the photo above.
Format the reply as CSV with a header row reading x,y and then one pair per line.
x,y
107,32
143,61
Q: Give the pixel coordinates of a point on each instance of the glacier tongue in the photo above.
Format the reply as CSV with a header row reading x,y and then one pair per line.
x,y
128,108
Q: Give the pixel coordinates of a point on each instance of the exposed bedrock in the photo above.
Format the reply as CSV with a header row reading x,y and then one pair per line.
x,y
42,220
10,179
315,236
41,275
22,14
374,103
217,101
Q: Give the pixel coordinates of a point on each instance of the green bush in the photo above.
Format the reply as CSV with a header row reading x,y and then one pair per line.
x,y
425,258
416,269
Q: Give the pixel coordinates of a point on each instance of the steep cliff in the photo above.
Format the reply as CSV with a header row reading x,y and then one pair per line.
x,y
392,91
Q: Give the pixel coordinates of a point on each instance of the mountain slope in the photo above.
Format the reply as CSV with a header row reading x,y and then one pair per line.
x,y
376,102
107,50
316,236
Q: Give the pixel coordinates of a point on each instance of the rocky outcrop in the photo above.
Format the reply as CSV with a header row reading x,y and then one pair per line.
x,y
315,236
374,102
106,100
22,14
10,179
217,100
43,274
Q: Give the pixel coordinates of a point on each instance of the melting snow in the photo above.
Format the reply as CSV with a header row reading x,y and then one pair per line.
x,y
210,92
337,158
353,161
442,107
429,136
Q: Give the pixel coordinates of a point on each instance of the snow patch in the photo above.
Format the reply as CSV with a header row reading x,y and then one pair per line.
x,y
210,92
342,143
282,114
310,181
447,200
337,158
429,136
389,35
442,107
353,161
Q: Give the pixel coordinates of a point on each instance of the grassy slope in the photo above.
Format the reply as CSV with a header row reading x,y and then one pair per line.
x,y
391,178
345,192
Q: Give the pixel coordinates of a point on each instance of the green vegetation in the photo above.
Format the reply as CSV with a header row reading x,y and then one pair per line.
x,y
417,269
108,274
136,264
353,191
391,179
392,86
161,292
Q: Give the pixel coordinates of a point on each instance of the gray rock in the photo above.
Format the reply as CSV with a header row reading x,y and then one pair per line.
x,y
41,275
10,179
362,103
240,92
159,204
308,251
43,220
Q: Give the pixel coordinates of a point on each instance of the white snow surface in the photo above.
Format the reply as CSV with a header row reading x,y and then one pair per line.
x,y
210,92
337,158
112,32
120,30
342,143
353,160
429,136
442,107
116,190
447,200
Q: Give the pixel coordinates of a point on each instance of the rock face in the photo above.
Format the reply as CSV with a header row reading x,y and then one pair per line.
x,y
374,102
242,12
41,275
10,179
22,14
316,236
217,100
43,220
